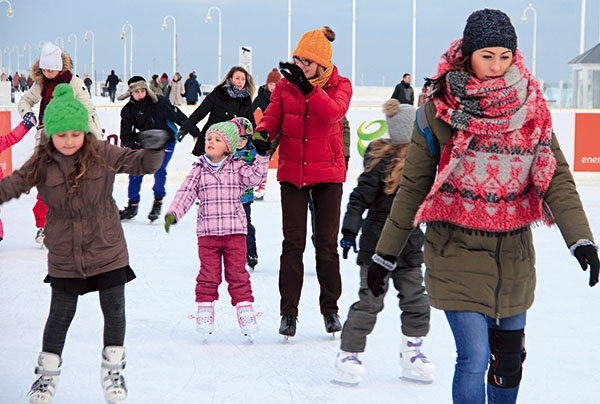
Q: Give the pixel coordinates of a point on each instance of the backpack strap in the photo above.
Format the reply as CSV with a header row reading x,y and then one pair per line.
x,y
424,130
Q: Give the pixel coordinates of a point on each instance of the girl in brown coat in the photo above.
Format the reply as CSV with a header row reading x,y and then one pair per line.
x,y
484,167
74,173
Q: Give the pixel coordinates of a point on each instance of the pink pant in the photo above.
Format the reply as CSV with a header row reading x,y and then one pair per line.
x,y
231,250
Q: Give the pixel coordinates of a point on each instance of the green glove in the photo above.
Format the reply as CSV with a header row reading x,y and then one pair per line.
x,y
169,220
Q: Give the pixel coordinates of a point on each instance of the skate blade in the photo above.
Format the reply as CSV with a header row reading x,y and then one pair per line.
x,y
345,379
417,378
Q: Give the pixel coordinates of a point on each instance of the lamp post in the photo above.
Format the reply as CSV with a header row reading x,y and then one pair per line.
x,y
62,42
7,51
74,60
524,21
127,24
16,48
9,12
353,40
289,52
582,28
27,45
209,19
164,27
414,43
85,39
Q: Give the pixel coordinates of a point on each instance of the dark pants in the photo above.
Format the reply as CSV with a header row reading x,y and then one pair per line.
x,y
327,198
251,234
160,178
62,310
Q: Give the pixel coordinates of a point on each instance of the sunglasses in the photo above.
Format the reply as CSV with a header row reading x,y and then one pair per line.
x,y
302,61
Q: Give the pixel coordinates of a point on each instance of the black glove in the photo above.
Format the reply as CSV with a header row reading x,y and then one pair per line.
x,y
296,76
587,255
260,140
346,242
181,134
154,139
29,120
381,266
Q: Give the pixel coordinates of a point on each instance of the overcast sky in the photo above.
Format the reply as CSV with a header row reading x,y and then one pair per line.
x,y
383,34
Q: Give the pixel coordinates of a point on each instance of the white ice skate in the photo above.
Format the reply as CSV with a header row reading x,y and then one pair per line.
x,y
415,365
205,318
246,319
40,236
48,371
348,369
111,374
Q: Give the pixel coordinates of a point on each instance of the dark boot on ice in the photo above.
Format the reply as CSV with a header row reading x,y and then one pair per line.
x,y
288,325
129,212
155,212
332,322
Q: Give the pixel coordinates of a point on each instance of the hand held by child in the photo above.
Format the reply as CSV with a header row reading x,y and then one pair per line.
x,y
381,266
261,142
29,120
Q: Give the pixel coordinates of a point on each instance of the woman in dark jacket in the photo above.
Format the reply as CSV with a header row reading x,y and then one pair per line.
x,y
230,98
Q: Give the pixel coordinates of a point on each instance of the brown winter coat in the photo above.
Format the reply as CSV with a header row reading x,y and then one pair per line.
x,y
84,236
468,270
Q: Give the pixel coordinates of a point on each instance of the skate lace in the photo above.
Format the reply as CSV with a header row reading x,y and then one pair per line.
x,y
417,350
115,379
205,316
41,385
352,358
246,316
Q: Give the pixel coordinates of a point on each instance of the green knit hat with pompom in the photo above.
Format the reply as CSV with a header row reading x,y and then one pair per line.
x,y
229,131
64,112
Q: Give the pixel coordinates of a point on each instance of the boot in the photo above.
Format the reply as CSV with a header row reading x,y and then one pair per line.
x,y
415,365
111,377
348,368
155,212
40,236
332,322
287,327
48,369
205,318
129,212
246,319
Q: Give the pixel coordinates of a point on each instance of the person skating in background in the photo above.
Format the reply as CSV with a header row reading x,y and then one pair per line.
x,y
231,98
88,83
10,139
52,68
147,111
306,113
374,193
111,84
218,181
247,152
403,92
259,106
156,85
176,90
483,167
192,89
75,173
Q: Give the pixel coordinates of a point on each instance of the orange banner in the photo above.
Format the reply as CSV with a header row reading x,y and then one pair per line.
x,y
6,155
587,146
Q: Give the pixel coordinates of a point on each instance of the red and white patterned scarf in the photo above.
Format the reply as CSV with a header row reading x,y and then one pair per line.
x,y
495,170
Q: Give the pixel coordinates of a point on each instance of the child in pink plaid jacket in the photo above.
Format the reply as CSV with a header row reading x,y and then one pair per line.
x,y
218,180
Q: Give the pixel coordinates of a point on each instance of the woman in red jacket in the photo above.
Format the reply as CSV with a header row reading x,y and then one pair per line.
x,y
307,108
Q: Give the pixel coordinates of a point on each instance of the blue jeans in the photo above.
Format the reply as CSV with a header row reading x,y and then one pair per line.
x,y
470,330
160,178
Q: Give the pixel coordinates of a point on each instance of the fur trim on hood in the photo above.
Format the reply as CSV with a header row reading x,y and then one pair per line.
x,y
36,73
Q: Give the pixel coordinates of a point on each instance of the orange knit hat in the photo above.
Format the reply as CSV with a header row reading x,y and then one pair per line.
x,y
316,46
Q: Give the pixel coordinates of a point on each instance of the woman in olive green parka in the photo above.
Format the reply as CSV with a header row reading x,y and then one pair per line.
x,y
483,167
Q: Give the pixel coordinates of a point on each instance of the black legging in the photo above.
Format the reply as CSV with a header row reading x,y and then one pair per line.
x,y
62,310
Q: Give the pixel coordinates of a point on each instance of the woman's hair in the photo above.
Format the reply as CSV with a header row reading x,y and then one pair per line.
x,y
249,80
36,168
383,149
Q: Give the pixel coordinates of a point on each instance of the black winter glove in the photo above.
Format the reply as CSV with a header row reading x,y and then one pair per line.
x,y
587,255
346,243
154,139
181,134
261,142
381,266
29,120
296,76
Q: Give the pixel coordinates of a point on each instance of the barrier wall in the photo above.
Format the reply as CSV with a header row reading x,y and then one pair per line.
x,y
576,131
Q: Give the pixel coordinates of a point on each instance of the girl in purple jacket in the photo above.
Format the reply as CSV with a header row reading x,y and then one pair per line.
x,y
218,180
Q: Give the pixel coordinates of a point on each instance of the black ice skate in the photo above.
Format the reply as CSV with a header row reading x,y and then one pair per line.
x,y
155,212
288,326
129,212
332,323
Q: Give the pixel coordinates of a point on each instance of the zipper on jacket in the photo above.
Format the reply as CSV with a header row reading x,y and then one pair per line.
x,y
499,285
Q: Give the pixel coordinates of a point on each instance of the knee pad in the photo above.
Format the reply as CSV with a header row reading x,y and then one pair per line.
x,y
507,354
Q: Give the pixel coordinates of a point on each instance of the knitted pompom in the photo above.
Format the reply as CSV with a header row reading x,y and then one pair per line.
x,y
61,91
329,34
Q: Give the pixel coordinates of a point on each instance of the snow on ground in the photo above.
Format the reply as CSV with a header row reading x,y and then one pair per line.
x,y
167,361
